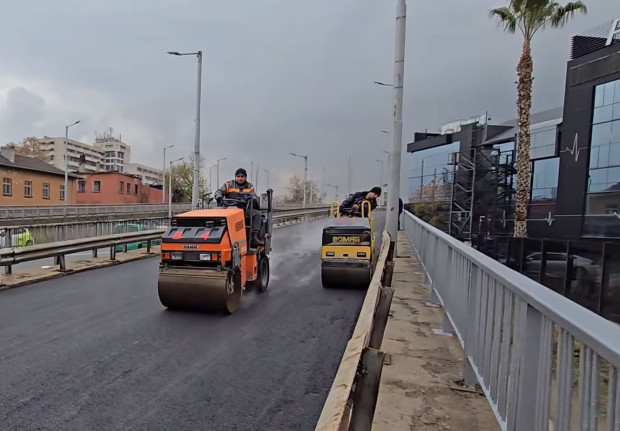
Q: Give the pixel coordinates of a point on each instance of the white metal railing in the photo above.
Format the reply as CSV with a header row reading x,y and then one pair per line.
x,y
520,339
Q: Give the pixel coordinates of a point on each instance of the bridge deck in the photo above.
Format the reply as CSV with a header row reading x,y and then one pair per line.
x,y
418,389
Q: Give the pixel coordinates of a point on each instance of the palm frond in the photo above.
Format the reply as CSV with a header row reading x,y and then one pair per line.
x,y
562,14
505,17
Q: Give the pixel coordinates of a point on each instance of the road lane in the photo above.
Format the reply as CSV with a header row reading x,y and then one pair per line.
x,y
96,350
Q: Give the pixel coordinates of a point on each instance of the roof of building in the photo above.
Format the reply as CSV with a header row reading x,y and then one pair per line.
x,y
535,118
32,164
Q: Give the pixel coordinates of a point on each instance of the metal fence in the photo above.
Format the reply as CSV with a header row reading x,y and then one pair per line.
x,y
59,211
543,361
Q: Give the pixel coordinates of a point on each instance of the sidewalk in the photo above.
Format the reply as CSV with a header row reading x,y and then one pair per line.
x,y
416,390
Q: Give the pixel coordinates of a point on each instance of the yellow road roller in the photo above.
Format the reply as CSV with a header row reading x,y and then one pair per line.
x,y
207,261
348,246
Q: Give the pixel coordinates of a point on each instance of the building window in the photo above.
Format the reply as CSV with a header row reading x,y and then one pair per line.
x,y
128,188
81,186
96,186
136,188
62,193
544,187
7,187
430,176
28,189
122,187
543,142
603,191
46,191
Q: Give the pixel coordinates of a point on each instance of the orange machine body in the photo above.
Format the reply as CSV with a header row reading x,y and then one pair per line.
x,y
207,239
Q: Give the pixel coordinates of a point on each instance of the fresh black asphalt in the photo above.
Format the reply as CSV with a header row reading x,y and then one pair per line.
x,y
97,351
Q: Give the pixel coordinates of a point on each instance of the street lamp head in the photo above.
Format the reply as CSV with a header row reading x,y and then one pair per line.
x,y
385,131
383,84
174,53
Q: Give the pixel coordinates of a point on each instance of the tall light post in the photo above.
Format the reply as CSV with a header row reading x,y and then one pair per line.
x,y
218,169
381,181
267,172
170,187
67,164
163,183
305,173
397,133
196,187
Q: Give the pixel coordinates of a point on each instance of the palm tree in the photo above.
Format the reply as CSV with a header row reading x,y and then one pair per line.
x,y
529,16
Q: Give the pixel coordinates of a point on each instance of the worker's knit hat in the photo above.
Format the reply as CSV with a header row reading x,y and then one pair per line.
x,y
241,171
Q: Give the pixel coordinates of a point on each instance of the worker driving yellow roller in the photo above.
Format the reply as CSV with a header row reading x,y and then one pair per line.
x,y
206,258
347,254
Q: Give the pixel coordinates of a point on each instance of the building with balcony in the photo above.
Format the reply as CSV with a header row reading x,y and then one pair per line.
x,y
470,166
53,148
30,181
116,154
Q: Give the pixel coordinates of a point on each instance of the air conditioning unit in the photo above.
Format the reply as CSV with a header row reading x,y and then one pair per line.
x,y
453,158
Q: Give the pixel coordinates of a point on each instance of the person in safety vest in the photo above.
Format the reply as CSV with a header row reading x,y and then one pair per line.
x,y
240,187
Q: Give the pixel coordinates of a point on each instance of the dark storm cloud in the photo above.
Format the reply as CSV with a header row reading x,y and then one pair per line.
x,y
278,75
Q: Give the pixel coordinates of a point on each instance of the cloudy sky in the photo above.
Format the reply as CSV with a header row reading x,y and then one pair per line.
x,y
278,76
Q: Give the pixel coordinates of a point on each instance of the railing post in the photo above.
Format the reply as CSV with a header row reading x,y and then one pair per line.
x,y
470,340
61,262
534,372
148,246
8,243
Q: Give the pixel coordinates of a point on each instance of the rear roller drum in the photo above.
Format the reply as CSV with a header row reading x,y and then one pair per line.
x,y
346,277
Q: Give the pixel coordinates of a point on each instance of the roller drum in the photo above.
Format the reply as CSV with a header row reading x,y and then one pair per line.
x,y
346,276
199,290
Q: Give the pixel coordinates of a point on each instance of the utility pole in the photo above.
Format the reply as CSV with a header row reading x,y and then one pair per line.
x,y
397,134
218,170
305,174
349,180
196,185
163,180
256,185
67,165
267,172
323,185
252,172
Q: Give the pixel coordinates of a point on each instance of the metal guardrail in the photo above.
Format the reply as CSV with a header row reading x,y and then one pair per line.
x,y
520,339
350,404
13,255
58,211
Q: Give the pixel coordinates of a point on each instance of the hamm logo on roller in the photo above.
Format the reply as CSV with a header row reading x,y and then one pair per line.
x,y
347,239
190,247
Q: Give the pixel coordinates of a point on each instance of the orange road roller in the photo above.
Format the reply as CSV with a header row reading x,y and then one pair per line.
x,y
207,260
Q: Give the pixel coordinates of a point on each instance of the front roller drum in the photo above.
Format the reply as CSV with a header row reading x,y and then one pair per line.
x,y
357,277
199,290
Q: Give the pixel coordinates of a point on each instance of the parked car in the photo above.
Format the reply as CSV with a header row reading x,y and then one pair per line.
x,y
133,227
20,237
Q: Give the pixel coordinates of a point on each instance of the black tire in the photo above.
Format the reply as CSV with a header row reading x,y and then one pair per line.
x,y
262,272
28,243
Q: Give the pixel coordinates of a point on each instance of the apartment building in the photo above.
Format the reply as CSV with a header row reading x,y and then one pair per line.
x,y
30,181
116,154
53,149
149,175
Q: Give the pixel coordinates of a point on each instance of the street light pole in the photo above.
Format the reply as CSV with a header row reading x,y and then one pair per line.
x,y
218,170
196,186
170,187
305,174
381,182
163,182
267,172
335,187
397,134
67,164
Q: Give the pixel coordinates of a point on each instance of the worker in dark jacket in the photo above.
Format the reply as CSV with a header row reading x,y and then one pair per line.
x,y
240,187
353,204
